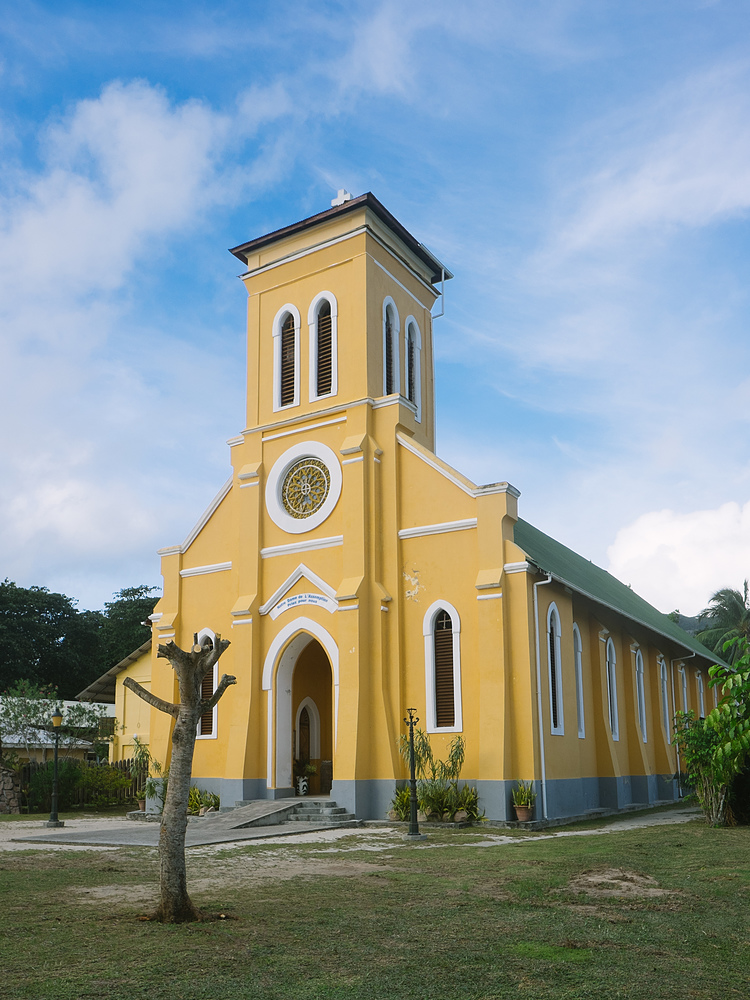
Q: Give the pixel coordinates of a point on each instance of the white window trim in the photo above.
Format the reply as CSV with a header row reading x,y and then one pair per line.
x,y
611,667
640,692
396,347
578,657
277,324
664,686
312,323
274,506
411,321
684,686
314,716
701,694
553,616
213,735
428,627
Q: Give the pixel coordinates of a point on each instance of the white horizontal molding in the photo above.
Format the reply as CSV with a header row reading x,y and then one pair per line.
x,y
292,547
244,486
488,597
296,600
233,442
304,429
518,567
203,570
241,621
438,529
351,461
349,607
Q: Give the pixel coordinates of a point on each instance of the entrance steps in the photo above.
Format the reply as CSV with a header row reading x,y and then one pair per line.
x,y
299,814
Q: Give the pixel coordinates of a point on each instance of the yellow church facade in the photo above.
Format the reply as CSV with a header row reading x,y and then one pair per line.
x,y
358,575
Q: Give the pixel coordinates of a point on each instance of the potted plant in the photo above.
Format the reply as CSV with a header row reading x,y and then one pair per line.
x,y
523,801
302,772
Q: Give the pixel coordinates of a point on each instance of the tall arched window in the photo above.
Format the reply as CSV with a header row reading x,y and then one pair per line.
x,y
640,692
701,695
578,658
413,365
391,373
666,718
286,357
614,723
322,319
442,644
554,666
207,722
683,685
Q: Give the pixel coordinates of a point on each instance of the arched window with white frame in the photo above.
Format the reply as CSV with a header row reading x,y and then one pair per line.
x,y
413,365
207,724
701,695
286,326
441,629
578,660
322,320
684,687
554,672
391,348
614,722
640,692
665,714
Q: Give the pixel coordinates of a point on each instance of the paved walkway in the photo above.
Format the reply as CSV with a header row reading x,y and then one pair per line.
x,y
223,829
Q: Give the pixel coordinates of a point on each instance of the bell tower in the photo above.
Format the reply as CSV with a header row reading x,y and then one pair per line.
x,y
339,315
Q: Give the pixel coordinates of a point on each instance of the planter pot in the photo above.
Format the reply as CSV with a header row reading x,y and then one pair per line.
x,y
523,813
142,805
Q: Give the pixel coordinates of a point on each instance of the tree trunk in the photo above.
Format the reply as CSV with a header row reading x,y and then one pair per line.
x,y
175,905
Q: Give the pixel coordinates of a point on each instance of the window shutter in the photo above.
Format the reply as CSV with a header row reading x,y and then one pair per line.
x,y
410,353
207,719
286,394
554,694
325,360
444,702
388,353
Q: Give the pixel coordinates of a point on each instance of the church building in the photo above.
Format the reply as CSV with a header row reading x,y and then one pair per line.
x,y
357,574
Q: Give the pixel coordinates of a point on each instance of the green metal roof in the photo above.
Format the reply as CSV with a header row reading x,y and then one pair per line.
x,y
583,576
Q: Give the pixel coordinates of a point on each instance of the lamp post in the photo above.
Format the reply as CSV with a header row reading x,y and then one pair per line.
x,y
413,833
56,723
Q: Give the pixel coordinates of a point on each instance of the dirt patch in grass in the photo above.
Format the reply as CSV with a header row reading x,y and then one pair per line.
x,y
231,876
606,883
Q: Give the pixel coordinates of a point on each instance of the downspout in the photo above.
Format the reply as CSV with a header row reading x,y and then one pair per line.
x,y
540,583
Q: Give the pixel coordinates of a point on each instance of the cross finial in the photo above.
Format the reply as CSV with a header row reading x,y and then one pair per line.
x,y
340,198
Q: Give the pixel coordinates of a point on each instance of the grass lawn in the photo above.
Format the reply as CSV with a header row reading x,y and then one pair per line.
x,y
370,916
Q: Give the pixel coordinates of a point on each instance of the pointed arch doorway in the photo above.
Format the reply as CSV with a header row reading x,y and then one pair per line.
x,y
312,711
313,688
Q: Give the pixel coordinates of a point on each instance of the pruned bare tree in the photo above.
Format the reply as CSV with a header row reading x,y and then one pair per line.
x,y
175,905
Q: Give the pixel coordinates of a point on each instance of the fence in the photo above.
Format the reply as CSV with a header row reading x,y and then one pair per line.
x,y
81,783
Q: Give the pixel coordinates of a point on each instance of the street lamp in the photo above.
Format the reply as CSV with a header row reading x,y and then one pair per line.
x,y
56,723
413,833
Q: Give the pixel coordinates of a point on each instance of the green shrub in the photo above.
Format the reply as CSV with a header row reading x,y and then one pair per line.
x,y
198,799
438,794
102,783
401,803
39,790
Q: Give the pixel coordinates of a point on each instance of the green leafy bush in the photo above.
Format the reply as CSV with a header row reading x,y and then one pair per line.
x,y
438,793
198,799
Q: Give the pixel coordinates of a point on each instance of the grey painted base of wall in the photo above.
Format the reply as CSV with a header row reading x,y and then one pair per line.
x,y
565,797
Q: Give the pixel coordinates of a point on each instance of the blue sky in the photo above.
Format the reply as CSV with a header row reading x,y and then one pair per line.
x,y
582,167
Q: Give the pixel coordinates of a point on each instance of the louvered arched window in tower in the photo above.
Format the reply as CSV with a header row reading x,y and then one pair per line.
x,y
442,634
322,320
391,374
286,357
413,365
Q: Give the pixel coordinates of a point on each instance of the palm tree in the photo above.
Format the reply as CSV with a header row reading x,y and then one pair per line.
x,y
726,617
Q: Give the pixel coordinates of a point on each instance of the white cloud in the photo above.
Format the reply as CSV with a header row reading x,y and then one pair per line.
x,y
679,560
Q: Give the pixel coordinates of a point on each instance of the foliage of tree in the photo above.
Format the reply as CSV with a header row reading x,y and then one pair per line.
x,y
727,617
438,793
26,711
175,905
46,640
715,750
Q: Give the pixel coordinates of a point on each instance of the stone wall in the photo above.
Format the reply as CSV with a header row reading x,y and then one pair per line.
x,y
8,792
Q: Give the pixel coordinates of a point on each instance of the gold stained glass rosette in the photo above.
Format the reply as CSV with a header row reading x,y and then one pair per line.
x,y
305,487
